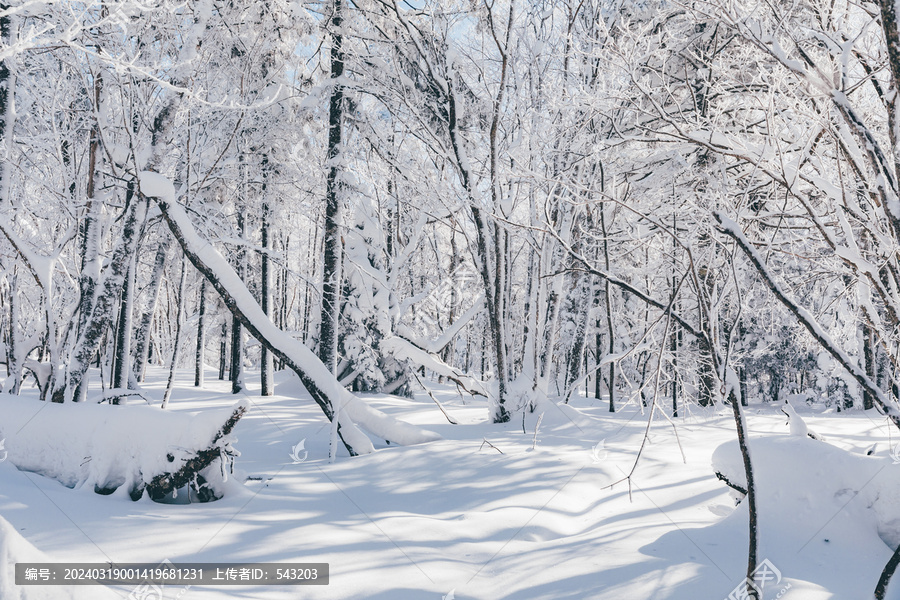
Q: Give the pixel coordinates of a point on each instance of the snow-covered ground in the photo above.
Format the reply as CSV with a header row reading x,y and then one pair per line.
x,y
488,521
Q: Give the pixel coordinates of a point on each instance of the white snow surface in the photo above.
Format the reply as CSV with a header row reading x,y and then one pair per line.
x,y
16,549
154,185
412,523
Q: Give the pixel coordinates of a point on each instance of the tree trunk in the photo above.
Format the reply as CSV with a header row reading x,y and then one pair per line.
x,y
223,349
101,317
237,337
331,263
7,108
868,344
123,333
267,367
585,298
200,357
179,323
607,292
90,249
142,337
166,483
13,362
335,401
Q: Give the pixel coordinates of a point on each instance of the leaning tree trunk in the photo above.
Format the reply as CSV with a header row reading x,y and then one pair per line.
x,y
335,401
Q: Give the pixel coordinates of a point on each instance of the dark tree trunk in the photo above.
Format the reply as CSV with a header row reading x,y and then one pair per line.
x,y
13,364
199,357
236,372
871,365
266,358
237,335
166,483
331,263
223,349
607,292
585,298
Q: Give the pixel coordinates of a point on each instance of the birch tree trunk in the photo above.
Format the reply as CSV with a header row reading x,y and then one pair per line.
x,y
123,333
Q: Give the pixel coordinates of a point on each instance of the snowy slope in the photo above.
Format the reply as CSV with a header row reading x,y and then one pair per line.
x,y
408,523
14,548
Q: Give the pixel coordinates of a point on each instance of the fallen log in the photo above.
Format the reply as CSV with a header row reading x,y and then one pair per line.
x,y
167,483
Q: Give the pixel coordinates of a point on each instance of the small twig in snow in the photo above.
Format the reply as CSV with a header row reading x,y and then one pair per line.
x,y
536,426
489,444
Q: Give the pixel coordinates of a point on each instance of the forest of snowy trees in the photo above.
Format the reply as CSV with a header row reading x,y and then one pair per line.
x,y
671,203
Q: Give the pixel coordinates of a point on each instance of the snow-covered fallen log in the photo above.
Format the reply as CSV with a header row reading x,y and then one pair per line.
x,y
332,398
121,449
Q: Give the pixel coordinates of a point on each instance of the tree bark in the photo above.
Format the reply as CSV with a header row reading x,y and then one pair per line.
x,y
200,357
331,263
267,366
607,294
13,362
166,483
123,333
223,349
237,336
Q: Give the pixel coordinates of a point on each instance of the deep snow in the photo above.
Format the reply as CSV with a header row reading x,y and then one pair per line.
x,y
457,515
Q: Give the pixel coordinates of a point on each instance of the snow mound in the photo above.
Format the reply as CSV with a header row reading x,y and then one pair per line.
x,y
103,447
16,549
810,491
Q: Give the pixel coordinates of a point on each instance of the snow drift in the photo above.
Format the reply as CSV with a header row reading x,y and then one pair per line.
x,y
105,447
811,494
